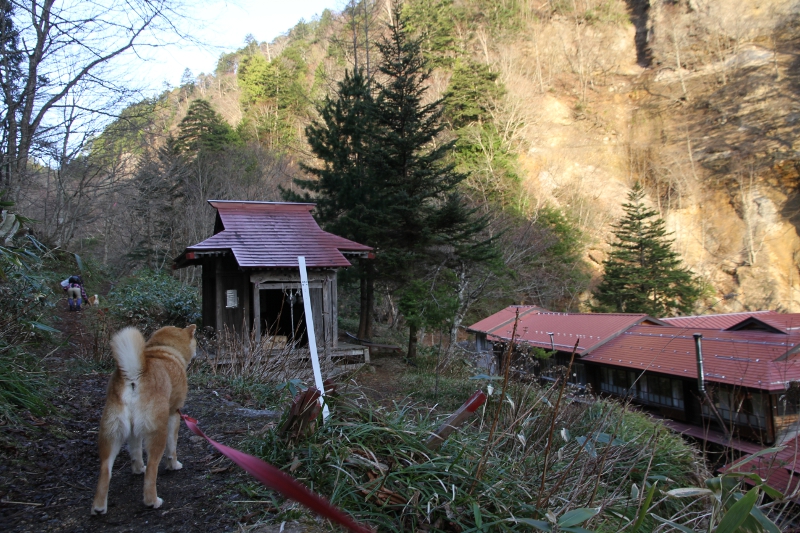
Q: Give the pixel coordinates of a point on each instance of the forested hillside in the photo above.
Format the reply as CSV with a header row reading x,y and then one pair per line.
x,y
555,110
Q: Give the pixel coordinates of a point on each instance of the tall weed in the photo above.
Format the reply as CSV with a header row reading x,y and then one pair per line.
x,y
27,300
373,462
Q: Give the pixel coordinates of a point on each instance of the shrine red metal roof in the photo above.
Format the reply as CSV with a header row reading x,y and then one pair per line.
x,y
755,359
723,321
273,235
535,325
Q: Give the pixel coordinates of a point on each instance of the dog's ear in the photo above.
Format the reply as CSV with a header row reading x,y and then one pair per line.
x,y
190,329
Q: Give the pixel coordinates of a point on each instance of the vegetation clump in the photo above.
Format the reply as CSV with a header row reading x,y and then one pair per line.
x,y
27,299
643,273
150,299
372,461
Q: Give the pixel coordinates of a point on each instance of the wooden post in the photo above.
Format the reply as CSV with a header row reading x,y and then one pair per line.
x,y
327,330
312,339
257,311
244,284
335,313
220,295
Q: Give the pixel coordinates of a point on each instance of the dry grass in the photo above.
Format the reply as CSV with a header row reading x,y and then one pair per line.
x,y
269,359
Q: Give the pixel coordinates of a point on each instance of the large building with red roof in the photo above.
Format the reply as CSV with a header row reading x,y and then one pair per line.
x,y
251,277
751,364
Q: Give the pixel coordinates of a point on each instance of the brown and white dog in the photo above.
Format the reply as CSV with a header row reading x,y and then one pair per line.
x,y
94,300
144,395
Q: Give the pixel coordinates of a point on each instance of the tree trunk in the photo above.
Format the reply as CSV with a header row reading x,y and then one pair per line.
x,y
412,342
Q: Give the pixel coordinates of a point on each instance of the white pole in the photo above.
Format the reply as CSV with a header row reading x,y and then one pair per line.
x,y
312,339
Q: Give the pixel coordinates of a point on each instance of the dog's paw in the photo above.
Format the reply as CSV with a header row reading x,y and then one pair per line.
x,y
156,504
174,465
98,510
137,468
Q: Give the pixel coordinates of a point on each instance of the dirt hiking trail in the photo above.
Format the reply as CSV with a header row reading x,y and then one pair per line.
x,y
49,466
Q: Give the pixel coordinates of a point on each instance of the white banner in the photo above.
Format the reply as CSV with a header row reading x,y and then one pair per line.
x,y
312,338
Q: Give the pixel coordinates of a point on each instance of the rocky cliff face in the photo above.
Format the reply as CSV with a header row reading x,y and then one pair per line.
x,y
700,100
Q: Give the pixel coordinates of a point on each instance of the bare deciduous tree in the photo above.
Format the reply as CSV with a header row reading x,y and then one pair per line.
x,y
55,50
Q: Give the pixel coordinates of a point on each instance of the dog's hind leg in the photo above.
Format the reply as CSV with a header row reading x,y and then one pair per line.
x,y
135,449
172,442
156,441
109,443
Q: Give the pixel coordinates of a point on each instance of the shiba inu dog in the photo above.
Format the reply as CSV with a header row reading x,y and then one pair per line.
x,y
144,395
94,300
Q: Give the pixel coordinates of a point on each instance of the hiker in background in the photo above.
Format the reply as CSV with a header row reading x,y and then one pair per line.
x,y
76,294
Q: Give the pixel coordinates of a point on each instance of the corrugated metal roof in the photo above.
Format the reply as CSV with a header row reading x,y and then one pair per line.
x,y
274,234
723,321
780,470
591,329
785,322
743,358
502,317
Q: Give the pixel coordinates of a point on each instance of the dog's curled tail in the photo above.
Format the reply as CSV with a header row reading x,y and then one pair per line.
x,y
127,346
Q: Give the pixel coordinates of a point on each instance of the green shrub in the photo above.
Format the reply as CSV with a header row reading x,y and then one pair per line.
x,y
149,300
27,299
374,464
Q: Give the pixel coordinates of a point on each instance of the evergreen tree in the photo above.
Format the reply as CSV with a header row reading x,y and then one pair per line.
x,y
643,274
434,22
202,129
11,81
384,179
346,189
431,224
417,177
472,90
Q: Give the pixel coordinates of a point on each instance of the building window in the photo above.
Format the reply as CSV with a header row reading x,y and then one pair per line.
x,y
661,390
578,376
742,407
648,388
617,381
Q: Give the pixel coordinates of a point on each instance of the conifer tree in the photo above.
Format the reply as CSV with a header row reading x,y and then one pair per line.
x,y
345,188
417,177
643,274
384,178
11,81
341,139
203,129
431,224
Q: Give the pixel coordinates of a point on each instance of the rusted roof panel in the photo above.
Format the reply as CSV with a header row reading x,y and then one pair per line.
x,y
724,321
274,234
780,470
590,329
742,358
504,316
785,322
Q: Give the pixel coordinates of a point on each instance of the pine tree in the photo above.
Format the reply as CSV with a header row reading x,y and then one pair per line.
x,y
470,94
431,224
643,274
341,139
203,129
413,164
345,188
384,179
11,81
